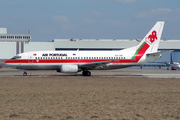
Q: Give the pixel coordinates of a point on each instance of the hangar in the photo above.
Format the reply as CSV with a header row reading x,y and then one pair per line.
x,y
12,44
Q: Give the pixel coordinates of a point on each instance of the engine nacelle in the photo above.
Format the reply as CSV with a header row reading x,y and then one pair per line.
x,y
69,68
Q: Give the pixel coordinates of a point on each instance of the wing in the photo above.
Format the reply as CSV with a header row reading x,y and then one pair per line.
x,y
93,65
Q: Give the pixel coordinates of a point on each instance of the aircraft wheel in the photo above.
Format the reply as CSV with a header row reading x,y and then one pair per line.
x,y
86,73
25,74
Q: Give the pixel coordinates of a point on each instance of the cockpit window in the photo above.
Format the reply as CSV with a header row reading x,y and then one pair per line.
x,y
16,57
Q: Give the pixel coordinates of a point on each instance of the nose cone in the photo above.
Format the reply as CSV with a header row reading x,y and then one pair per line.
x,y
3,64
7,63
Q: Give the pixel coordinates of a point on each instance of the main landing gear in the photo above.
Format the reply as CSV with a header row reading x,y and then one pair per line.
x,y
86,73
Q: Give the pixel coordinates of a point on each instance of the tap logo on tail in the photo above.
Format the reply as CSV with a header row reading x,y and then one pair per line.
x,y
151,38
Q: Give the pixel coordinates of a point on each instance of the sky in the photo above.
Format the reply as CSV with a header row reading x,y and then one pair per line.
x,y
89,19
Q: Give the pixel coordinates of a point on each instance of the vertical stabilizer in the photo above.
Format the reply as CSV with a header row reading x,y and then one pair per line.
x,y
153,37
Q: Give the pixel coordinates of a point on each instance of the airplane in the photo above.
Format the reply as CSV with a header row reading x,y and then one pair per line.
x,y
173,65
76,61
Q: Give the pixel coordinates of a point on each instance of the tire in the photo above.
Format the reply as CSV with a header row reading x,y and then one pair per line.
x,y
25,74
86,73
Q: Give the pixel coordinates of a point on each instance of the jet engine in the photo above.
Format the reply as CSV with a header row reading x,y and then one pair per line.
x,y
69,68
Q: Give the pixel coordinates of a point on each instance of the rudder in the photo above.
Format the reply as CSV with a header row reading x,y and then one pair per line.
x,y
153,37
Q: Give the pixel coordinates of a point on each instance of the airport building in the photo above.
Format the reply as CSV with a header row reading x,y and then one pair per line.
x,y
13,44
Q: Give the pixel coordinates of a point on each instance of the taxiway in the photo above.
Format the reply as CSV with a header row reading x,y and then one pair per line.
x,y
150,73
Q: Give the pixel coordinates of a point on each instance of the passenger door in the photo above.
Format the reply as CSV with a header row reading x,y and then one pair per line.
x,y
30,58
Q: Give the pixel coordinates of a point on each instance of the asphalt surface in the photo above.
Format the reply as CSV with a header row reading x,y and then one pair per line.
x,y
128,72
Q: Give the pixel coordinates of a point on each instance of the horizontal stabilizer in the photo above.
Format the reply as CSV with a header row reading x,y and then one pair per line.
x,y
159,53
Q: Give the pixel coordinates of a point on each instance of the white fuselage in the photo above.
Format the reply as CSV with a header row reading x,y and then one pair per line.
x,y
52,60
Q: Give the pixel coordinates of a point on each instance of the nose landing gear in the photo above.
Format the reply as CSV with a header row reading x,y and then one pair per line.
x,y
25,74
